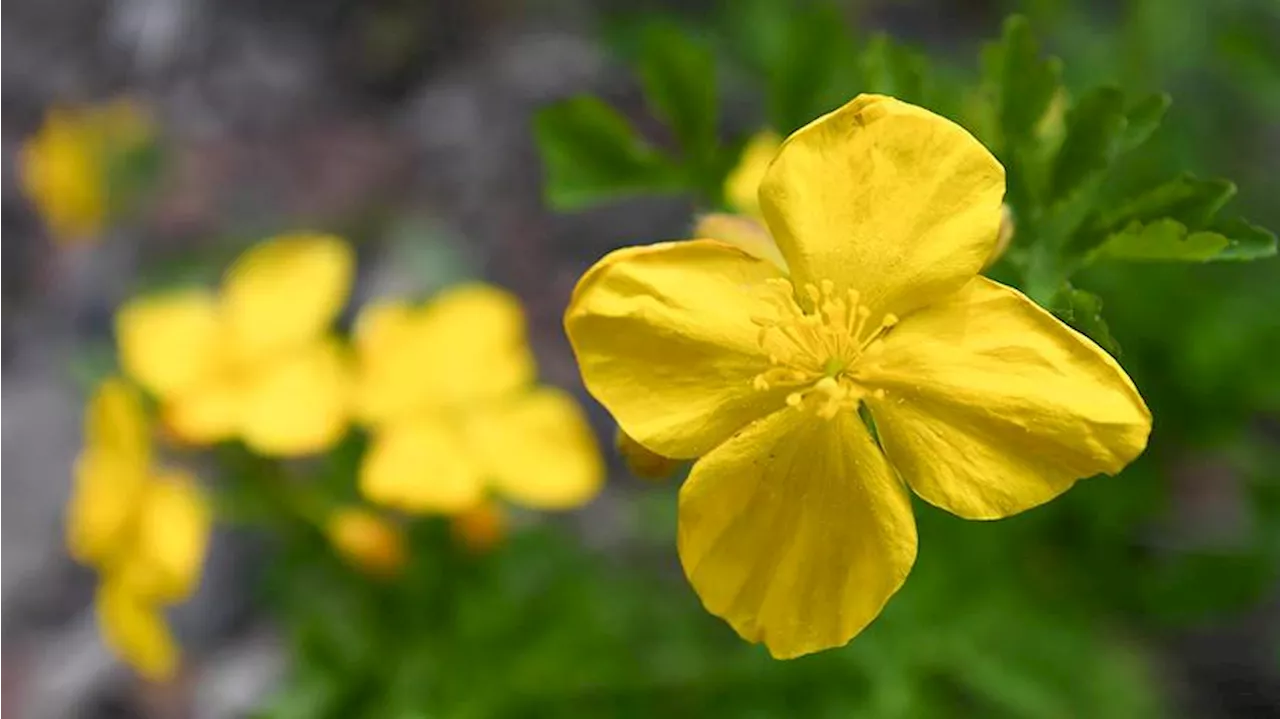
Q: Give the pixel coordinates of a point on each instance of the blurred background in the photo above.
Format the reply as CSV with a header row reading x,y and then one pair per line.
x,y
406,126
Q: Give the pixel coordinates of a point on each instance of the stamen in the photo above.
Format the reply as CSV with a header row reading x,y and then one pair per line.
x,y
817,341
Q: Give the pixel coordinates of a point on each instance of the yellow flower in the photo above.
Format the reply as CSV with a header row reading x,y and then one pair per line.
x,y
367,540
795,522
257,360
135,630
740,187
449,392
143,528
64,168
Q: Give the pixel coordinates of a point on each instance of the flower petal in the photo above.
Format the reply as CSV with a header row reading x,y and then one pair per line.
x,y
474,345
885,198
136,631
993,406
745,233
421,465
169,342
467,345
109,474
742,186
664,338
298,405
174,522
538,450
205,414
796,531
285,292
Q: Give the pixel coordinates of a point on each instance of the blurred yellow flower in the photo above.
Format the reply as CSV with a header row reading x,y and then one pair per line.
x,y
448,390
481,527
65,168
743,182
367,540
795,522
256,361
143,528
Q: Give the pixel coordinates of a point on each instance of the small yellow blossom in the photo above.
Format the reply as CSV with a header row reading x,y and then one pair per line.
x,y
65,167
740,187
448,390
257,361
642,462
144,529
795,523
367,540
480,528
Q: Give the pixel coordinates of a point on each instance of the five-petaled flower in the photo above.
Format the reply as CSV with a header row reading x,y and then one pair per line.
x,y
817,384
448,391
255,361
145,529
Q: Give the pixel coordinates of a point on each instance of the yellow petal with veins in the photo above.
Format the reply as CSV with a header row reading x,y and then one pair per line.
x,y
796,531
887,199
992,406
665,339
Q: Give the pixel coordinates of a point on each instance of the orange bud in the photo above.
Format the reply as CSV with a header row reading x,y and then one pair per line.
x,y
480,528
367,541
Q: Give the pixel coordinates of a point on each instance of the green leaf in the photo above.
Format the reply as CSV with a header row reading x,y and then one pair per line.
x,y
892,69
1247,241
592,154
816,69
1186,199
679,78
1083,311
1144,119
1094,128
1025,83
1167,240
1163,240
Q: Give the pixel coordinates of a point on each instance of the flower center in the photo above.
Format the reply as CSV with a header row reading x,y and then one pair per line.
x,y
815,351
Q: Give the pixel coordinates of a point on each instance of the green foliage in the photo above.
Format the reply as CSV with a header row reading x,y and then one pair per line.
x,y
807,61
592,153
543,629
1083,311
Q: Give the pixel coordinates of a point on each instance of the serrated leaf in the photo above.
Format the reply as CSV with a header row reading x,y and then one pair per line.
x,y
592,154
1083,311
1144,119
678,75
893,69
1167,240
1094,128
1025,82
1163,240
